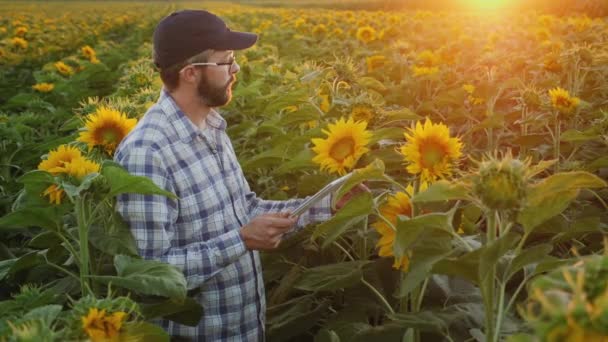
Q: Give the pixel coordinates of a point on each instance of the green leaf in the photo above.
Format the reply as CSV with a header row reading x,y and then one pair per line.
x,y
409,230
492,252
121,181
465,266
300,162
532,255
573,135
45,217
47,313
187,311
434,321
371,83
75,190
325,335
149,277
113,237
294,319
36,177
386,133
144,331
597,164
265,160
5,267
421,263
353,212
442,191
553,195
403,114
304,114
331,277
46,239
373,171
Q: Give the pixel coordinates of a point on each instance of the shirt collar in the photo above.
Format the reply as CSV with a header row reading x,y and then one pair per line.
x,y
186,130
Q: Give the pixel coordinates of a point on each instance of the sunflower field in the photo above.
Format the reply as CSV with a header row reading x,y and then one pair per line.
x,y
482,136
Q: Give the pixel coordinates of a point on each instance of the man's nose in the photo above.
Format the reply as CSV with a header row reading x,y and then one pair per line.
x,y
235,68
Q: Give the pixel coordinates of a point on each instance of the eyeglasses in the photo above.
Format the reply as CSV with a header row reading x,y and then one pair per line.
x,y
230,64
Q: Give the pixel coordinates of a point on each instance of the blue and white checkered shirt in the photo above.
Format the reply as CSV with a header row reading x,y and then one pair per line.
x,y
199,231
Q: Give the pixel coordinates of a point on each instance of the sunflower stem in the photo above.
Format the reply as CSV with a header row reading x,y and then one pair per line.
x,y
379,295
488,282
83,236
556,142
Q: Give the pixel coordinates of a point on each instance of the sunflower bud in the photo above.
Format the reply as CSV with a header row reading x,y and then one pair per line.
x,y
531,99
501,184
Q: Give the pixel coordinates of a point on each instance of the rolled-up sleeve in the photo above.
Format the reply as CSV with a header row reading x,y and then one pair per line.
x,y
152,220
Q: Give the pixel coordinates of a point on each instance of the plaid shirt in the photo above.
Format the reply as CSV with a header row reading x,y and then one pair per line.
x,y
199,231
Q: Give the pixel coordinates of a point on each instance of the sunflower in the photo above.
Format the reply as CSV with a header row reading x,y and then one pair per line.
x,y
423,71
428,58
63,68
562,101
397,204
19,42
106,128
470,89
319,30
20,31
325,104
345,143
88,52
66,160
366,34
56,159
430,151
362,112
375,62
101,327
54,193
80,167
43,87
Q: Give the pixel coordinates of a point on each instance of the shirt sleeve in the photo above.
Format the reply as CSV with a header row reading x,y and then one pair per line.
x,y
152,220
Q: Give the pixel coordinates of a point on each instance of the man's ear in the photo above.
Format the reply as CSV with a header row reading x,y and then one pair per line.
x,y
188,75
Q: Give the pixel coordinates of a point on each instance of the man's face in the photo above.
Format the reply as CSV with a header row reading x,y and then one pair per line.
x,y
215,84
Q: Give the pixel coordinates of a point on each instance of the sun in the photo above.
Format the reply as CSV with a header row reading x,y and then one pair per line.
x,y
486,4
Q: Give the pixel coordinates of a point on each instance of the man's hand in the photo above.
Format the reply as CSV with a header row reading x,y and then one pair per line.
x,y
350,194
264,232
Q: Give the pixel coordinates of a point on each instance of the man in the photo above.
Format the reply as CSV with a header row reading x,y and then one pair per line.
x,y
216,227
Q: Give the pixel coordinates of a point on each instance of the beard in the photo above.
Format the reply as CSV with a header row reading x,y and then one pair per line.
x,y
213,95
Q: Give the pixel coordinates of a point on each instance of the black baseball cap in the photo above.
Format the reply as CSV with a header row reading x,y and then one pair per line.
x,y
186,33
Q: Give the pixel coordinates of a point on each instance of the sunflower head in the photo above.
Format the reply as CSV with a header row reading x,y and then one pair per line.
x,y
428,58
562,101
63,68
362,112
366,34
501,183
88,52
430,151
319,30
100,326
397,204
43,87
531,99
424,71
106,128
19,42
58,158
54,193
345,143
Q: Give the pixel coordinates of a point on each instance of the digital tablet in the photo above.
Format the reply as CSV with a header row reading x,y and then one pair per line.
x,y
312,200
